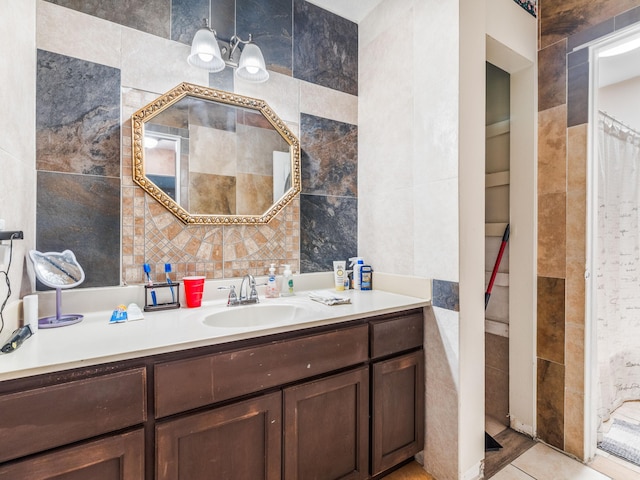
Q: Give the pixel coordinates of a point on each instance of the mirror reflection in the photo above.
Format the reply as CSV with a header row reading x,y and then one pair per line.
x,y
212,156
57,269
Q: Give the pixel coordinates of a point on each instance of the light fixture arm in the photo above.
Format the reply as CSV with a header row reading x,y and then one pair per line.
x,y
234,43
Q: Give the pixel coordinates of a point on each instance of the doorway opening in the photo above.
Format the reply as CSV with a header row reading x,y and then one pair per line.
x,y
613,286
500,370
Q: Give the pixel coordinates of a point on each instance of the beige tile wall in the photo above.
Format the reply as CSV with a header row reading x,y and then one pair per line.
x,y
562,186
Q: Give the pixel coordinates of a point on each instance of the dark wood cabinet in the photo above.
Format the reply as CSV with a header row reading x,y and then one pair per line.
x,y
397,410
185,384
326,428
342,401
239,441
119,457
70,411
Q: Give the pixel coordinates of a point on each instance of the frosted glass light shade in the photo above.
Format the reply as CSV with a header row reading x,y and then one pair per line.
x,y
205,51
251,66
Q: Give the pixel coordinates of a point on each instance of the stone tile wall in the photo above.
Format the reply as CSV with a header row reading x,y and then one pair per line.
x,y
107,71
562,164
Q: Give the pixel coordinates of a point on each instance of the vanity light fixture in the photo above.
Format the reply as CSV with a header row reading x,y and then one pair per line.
x,y
205,51
251,66
212,54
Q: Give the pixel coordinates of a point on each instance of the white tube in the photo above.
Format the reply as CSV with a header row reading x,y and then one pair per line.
x,y
339,273
30,308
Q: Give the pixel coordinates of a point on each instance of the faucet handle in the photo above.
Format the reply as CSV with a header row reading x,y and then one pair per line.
x,y
253,295
233,297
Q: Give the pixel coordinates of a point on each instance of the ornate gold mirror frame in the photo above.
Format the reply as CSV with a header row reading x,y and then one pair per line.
x,y
162,104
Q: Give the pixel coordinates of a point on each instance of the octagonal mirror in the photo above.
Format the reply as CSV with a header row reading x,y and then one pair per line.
x,y
214,157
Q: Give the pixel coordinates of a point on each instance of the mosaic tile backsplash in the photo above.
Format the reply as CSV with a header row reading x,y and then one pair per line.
x,y
87,200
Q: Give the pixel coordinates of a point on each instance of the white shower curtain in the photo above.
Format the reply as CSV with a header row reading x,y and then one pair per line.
x,y
618,264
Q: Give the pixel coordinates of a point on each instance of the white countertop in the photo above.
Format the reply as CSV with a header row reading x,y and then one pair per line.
x,y
94,340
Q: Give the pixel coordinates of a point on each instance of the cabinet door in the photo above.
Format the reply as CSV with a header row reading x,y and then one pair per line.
x,y
398,410
236,442
53,416
120,457
326,434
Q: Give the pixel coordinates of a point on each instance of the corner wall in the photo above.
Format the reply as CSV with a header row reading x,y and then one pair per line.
x,y
408,177
421,174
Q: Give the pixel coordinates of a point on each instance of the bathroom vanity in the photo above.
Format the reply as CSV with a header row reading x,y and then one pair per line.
x,y
341,399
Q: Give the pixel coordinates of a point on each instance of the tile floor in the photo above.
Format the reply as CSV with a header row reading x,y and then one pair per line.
x,y
611,465
542,462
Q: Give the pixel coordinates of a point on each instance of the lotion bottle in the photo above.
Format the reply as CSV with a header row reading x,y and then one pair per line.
x,y
272,285
287,282
357,263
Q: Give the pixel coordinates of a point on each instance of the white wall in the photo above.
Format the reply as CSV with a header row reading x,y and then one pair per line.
x,y
472,195
614,100
17,142
421,187
408,154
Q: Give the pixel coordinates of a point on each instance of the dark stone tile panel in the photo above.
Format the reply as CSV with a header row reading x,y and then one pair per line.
x,y
77,116
589,34
550,403
329,156
446,295
627,18
223,18
151,16
578,95
81,213
560,20
186,18
271,24
578,57
328,231
551,319
325,48
552,76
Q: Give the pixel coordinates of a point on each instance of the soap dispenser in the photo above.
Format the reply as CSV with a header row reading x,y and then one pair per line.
x,y
287,282
272,285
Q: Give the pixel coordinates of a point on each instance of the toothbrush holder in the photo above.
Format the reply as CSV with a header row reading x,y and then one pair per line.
x,y
170,292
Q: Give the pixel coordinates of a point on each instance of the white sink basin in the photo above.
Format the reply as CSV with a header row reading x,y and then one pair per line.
x,y
257,315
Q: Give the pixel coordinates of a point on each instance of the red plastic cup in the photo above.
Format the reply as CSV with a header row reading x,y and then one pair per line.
x,y
193,290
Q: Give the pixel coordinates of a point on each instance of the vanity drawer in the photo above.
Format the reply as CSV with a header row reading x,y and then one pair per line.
x,y
185,384
396,334
39,419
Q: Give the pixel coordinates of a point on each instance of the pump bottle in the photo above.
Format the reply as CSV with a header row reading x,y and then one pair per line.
x,y
272,285
287,282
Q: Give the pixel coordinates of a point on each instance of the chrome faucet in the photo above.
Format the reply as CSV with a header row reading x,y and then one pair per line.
x,y
248,293
252,295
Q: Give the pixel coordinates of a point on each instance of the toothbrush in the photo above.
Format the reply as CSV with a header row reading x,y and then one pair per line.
x,y
147,270
167,270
